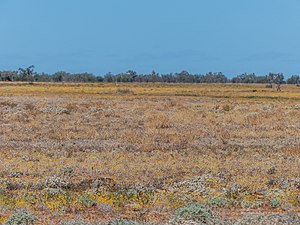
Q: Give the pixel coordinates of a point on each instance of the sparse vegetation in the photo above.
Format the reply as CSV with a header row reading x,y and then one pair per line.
x,y
148,153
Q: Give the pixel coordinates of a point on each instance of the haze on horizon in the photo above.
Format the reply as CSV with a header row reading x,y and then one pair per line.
x,y
95,36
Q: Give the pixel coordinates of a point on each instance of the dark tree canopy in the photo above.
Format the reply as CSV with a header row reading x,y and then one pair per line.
x,y
29,75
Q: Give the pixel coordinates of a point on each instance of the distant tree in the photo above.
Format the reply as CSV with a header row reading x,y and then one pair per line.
x,y
215,78
270,78
199,78
275,79
109,77
27,74
131,75
261,79
249,78
99,78
43,77
168,78
279,79
83,77
154,77
245,78
8,75
184,77
295,79
59,76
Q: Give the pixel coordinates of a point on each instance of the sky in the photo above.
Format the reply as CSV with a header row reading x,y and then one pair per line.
x,y
100,36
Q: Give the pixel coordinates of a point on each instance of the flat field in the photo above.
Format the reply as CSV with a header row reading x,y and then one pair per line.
x,y
102,152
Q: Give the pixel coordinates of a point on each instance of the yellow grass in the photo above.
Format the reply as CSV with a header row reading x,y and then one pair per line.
x,y
126,150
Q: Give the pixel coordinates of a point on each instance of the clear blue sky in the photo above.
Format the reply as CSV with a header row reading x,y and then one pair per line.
x,y
99,36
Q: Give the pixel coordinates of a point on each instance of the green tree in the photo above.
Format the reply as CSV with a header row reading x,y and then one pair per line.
x,y
27,74
277,79
295,79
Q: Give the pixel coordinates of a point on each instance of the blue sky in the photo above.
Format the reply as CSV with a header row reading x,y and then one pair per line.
x,y
100,36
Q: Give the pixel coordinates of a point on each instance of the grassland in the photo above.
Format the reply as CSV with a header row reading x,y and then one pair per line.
x,y
99,152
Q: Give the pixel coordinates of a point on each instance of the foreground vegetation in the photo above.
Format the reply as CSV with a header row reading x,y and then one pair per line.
x,y
149,153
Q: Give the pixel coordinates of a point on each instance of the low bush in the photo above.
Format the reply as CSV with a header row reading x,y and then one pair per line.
x,y
21,218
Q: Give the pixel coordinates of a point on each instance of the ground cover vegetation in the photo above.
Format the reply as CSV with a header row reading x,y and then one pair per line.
x,y
149,153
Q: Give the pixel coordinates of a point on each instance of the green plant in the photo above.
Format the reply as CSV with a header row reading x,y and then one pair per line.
x,y
21,218
218,201
268,219
86,200
275,202
75,222
247,204
52,192
194,212
124,222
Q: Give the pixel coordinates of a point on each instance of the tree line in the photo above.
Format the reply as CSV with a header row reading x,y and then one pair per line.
x,y
30,75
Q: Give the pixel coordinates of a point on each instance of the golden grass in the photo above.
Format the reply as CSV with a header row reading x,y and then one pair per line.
x,y
141,141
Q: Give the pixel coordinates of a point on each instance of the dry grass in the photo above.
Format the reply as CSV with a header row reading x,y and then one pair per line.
x,y
140,151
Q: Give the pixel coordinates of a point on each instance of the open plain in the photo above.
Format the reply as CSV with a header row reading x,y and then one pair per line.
x,y
142,152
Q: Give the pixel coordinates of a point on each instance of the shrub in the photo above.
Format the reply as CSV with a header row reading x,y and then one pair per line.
x,y
52,192
268,219
124,91
124,222
75,222
56,182
196,185
195,213
234,191
114,222
218,201
21,218
226,108
272,170
275,202
56,110
86,200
